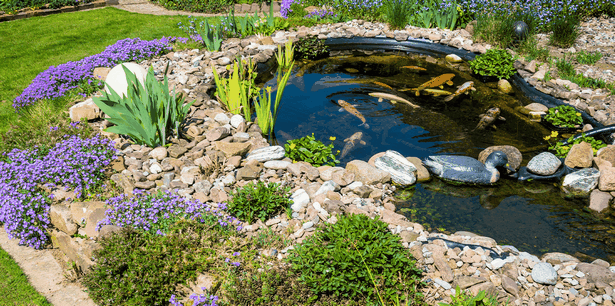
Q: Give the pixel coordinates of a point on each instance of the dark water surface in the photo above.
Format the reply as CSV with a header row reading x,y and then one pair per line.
x,y
535,217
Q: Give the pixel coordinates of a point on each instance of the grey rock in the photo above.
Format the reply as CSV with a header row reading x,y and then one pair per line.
x,y
326,187
582,181
167,178
222,118
596,273
545,163
599,200
145,185
300,199
543,273
400,169
202,186
528,256
442,284
241,137
266,154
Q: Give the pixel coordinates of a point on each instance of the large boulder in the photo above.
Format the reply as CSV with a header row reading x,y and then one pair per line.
x,y
116,79
366,173
581,155
544,273
581,182
401,170
232,148
599,200
596,273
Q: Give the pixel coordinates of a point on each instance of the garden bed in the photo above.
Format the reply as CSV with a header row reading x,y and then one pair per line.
x,y
27,13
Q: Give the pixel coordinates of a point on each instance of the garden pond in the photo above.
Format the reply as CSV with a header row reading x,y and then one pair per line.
x,y
533,216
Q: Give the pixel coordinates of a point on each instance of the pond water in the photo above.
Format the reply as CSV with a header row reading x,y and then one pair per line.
x,y
533,216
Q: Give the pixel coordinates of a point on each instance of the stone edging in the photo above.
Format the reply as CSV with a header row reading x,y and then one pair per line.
x,y
45,12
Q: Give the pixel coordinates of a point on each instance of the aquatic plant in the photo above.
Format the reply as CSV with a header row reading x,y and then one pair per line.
x,y
58,80
564,116
237,91
310,47
266,117
562,150
495,62
310,150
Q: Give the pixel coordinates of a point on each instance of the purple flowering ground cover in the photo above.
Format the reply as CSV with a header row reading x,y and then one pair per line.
x,y
58,80
74,163
157,212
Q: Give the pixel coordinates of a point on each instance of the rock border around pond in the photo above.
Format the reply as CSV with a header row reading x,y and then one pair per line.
x,y
216,138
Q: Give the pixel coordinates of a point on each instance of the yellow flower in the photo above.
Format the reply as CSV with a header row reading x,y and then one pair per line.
x,y
554,133
578,114
338,151
332,138
268,89
292,146
547,137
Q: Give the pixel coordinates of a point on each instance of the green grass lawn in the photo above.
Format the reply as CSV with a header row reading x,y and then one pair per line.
x,y
29,46
14,286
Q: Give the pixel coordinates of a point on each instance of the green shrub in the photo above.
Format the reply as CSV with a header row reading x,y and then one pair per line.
x,y
397,13
259,201
495,62
310,47
565,30
357,257
463,298
136,268
498,30
564,116
148,114
588,58
310,150
203,6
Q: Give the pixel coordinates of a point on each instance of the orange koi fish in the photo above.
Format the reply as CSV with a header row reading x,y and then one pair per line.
x,y
417,68
464,88
383,85
436,82
351,109
437,92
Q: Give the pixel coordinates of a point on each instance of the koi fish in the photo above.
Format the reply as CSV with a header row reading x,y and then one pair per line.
x,y
436,82
393,98
488,118
351,109
414,68
352,142
464,88
383,85
437,92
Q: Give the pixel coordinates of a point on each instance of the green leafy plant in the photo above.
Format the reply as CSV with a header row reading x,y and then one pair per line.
x,y
137,268
495,62
237,91
561,149
565,30
463,298
285,56
212,36
267,118
564,116
354,255
149,114
259,201
446,18
588,58
567,72
397,13
310,150
310,47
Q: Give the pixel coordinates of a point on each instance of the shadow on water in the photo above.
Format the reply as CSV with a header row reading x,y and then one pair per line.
x,y
532,216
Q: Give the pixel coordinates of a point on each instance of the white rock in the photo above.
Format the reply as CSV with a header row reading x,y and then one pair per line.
x,y
354,185
236,120
222,118
544,273
86,109
442,284
300,199
266,154
155,168
116,79
453,58
327,186
158,153
530,257
401,170
277,164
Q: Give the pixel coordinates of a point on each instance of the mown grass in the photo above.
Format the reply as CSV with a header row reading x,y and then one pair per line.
x,y
29,46
14,286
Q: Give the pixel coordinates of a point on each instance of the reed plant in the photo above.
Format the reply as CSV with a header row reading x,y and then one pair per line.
x,y
397,13
262,105
236,92
285,56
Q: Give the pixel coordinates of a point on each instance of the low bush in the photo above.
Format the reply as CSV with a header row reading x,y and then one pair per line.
x,y
310,150
259,201
204,6
12,6
357,257
310,47
136,268
495,62
565,30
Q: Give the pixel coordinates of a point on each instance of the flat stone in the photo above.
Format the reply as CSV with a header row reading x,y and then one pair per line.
x,y
467,281
545,163
249,172
61,217
555,258
581,182
422,174
401,170
596,273
536,107
510,285
367,174
442,284
277,164
266,154
599,200
158,153
176,151
222,118
217,133
232,148
300,199
543,273
86,109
